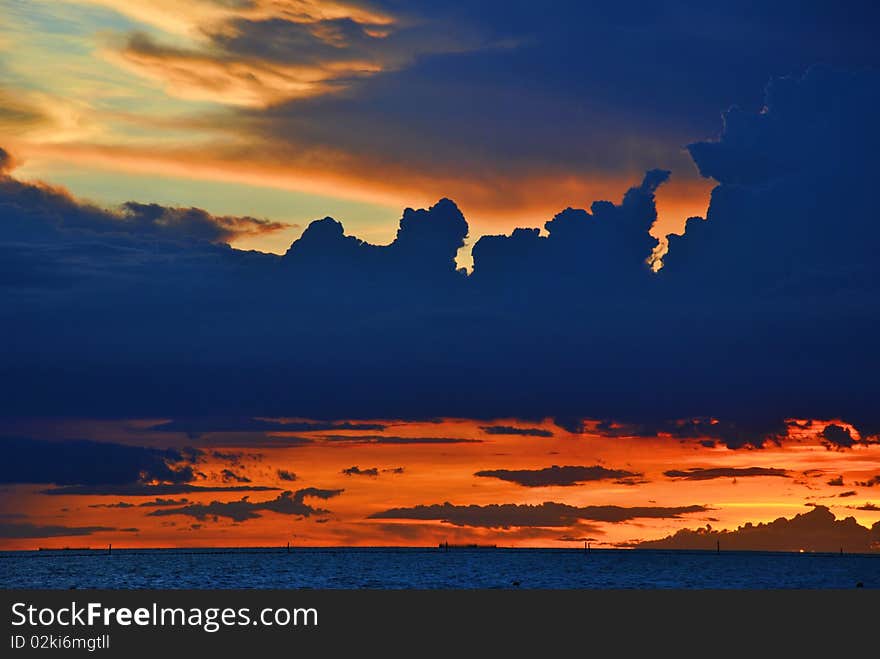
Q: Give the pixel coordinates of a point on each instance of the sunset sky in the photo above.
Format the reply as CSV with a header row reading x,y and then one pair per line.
x,y
296,109
660,484
193,353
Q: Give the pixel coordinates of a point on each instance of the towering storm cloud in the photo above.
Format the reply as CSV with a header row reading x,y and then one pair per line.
x,y
764,310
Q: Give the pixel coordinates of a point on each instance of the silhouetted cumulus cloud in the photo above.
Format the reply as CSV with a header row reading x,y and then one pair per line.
x,y
698,474
837,481
869,507
835,436
511,430
286,475
35,211
26,530
871,482
556,475
781,270
816,530
424,249
548,513
581,249
229,476
357,471
286,503
764,311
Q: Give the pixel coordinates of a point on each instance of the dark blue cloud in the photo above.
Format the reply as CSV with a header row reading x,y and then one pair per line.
x,y
229,476
764,310
286,475
425,247
286,503
782,269
85,467
158,502
357,471
581,248
578,88
835,436
510,430
711,473
147,490
34,211
549,514
199,426
741,432
383,439
84,462
560,476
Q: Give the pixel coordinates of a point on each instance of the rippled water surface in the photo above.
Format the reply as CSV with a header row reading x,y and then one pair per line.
x,y
432,568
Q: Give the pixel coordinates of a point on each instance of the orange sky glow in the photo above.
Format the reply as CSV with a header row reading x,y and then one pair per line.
x,y
258,118
412,474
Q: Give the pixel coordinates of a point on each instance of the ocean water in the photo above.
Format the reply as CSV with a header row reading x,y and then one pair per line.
x,y
433,568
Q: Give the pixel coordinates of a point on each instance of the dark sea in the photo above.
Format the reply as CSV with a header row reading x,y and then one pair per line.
x,y
385,568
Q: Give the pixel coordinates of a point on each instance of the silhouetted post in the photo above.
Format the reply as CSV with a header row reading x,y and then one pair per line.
x,y
110,548
717,546
288,546
841,551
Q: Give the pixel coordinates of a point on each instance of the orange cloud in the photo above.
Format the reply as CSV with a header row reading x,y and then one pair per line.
x,y
248,82
262,53
192,17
